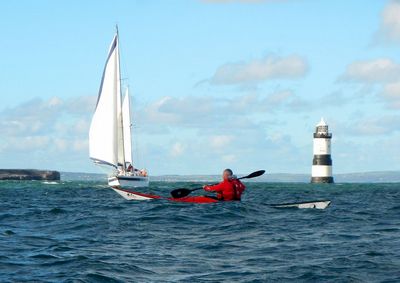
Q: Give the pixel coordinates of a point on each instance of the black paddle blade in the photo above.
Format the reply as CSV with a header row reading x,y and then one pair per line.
x,y
254,174
180,193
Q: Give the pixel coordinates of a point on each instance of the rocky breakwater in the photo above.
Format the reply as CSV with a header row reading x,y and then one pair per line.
x,y
29,174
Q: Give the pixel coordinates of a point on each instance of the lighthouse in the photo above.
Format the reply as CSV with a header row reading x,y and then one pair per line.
x,y
322,162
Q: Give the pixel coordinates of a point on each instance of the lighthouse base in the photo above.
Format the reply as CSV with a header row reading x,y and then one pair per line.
x,y
322,180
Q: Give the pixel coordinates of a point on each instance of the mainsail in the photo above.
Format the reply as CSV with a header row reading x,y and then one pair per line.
x,y
105,134
127,125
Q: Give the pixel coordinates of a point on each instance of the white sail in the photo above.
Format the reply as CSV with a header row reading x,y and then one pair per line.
x,y
103,133
110,140
127,125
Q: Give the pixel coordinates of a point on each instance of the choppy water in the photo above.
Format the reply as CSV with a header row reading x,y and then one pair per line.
x,y
84,232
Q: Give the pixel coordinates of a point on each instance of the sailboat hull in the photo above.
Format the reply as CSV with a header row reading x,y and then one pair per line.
x,y
128,181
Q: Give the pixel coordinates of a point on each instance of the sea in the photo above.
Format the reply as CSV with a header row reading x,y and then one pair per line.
x,y
82,231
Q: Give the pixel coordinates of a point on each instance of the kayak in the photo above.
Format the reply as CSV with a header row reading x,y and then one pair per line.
x,y
318,204
130,195
195,199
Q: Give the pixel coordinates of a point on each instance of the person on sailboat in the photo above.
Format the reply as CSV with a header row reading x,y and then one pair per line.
x,y
229,189
129,168
143,172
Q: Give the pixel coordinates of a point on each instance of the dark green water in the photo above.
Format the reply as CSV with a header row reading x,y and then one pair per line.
x,y
84,232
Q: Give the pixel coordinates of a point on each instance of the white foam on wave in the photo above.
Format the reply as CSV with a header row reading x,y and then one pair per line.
x,y
50,183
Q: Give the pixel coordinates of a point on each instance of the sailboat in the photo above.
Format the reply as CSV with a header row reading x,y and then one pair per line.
x,y
110,137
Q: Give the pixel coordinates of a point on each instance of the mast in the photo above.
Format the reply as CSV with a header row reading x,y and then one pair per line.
x,y
120,128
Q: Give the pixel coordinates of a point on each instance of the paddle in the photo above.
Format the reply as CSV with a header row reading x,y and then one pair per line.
x,y
180,193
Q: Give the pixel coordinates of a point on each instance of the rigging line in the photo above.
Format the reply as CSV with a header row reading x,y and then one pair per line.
x,y
123,65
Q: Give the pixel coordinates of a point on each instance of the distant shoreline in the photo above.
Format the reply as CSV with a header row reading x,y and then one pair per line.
x,y
360,177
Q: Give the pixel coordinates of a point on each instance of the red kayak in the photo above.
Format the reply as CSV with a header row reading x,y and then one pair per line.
x,y
195,199
129,195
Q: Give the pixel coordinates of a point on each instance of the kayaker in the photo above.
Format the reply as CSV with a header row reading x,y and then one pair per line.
x,y
229,189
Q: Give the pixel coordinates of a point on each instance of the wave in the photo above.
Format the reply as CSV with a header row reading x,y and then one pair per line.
x,y
79,232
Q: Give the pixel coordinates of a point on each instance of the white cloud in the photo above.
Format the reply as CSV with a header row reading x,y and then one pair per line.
x,y
279,97
215,132
177,149
389,30
38,116
153,112
383,73
278,100
81,105
80,145
379,154
186,105
229,158
371,126
32,117
60,144
210,112
220,141
52,130
54,102
259,70
28,143
373,71
391,95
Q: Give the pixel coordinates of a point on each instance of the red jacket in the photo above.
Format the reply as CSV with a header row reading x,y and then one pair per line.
x,y
227,189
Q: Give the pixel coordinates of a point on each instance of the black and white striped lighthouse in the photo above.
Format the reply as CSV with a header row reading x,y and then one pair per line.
x,y
322,162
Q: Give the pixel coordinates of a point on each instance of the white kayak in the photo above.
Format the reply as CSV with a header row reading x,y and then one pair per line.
x,y
318,204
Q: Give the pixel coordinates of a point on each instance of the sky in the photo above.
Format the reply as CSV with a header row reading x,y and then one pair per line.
x,y
214,83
